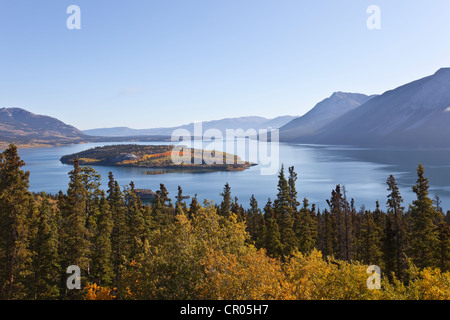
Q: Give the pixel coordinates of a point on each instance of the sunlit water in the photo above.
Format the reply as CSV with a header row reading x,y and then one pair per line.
x,y
320,168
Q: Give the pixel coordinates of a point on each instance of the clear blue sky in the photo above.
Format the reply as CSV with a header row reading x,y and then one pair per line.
x,y
152,63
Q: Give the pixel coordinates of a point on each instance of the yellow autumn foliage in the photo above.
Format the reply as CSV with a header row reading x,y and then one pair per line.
x,y
95,292
211,257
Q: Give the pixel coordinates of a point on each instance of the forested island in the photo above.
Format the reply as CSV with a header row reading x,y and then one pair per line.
x,y
157,157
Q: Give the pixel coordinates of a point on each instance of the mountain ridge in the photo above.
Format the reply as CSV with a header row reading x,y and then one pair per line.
x,y
247,122
321,114
412,115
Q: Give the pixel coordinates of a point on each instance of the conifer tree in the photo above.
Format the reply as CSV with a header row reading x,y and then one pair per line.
x,y
444,246
164,196
119,235
292,189
396,222
338,211
424,236
102,256
238,210
225,205
284,214
75,243
180,205
194,207
44,248
328,235
306,228
138,231
162,208
254,219
16,210
272,236
370,239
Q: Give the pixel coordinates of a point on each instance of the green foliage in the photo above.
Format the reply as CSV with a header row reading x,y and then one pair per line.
x,y
424,237
127,250
16,211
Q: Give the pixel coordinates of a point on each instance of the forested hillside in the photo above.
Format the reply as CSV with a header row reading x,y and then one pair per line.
x,y
286,249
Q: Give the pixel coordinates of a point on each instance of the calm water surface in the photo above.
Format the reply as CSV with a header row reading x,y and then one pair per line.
x,y
320,168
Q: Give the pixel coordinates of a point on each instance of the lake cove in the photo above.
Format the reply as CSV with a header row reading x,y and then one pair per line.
x,y
191,310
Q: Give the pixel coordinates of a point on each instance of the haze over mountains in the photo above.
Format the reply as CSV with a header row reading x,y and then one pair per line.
x,y
27,129
223,124
323,113
414,115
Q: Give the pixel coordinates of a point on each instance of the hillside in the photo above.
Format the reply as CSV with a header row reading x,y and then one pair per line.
x,y
23,127
414,115
27,129
323,113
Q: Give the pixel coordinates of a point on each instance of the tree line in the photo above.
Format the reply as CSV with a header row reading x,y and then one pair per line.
x,y
174,250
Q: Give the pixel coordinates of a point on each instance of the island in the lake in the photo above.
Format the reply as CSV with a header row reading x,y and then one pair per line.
x,y
158,157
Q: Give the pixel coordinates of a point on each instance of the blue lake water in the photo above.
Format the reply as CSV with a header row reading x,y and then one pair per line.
x,y
363,171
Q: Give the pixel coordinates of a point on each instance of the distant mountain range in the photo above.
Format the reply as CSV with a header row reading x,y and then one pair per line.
x,y
223,124
27,129
414,115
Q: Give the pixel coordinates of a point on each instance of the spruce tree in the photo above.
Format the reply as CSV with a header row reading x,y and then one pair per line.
x,y
180,205
396,222
16,211
75,236
254,220
424,235
44,248
102,256
306,228
272,237
225,205
284,214
194,207
292,189
119,234
138,231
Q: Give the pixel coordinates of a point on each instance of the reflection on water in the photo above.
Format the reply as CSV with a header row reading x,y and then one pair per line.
x,y
320,168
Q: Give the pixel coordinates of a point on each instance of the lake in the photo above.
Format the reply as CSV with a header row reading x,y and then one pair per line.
x,y
363,171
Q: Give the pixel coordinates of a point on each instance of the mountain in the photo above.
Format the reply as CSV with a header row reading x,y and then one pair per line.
x,y
23,127
323,113
244,123
26,129
414,115
19,122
